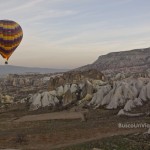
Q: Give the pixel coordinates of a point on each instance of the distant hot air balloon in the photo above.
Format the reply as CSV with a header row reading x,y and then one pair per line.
x,y
10,37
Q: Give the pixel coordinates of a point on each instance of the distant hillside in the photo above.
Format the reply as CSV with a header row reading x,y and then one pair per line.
x,y
137,60
9,69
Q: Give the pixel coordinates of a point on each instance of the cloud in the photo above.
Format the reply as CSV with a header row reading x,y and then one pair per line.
x,y
51,14
74,33
87,37
34,11
21,6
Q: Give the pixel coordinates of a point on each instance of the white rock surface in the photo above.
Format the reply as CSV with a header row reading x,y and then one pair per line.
x,y
60,90
73,88
148,131
132,104
66,87
128,93
123,113
99,95
42,100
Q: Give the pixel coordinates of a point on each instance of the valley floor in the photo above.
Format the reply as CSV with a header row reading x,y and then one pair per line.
x,y
72,134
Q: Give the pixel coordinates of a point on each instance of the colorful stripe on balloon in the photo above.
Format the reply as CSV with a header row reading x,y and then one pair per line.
x,y
11,35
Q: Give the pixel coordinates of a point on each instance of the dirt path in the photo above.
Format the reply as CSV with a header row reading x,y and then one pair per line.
x,y
51,116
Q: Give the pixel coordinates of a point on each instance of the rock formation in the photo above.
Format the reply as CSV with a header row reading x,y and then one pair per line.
x,y
74,77
129,93
45,99
126,85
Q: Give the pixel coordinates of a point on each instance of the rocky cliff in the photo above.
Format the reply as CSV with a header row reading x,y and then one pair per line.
x,y
133,61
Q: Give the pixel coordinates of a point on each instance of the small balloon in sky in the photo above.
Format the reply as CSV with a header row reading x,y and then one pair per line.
x,y
11,35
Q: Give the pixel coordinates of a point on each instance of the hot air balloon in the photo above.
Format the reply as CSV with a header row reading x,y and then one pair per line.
x,y
11,35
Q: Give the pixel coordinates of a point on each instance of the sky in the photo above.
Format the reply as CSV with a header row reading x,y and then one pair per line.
x,y
72,33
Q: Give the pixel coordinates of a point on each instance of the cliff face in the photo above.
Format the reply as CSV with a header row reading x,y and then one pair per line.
x,y
133,61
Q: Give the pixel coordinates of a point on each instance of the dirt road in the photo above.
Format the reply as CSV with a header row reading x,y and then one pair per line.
x,y
51,116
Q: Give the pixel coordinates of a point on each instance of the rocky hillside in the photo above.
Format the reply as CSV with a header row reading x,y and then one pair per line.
x,y
134,61
127,89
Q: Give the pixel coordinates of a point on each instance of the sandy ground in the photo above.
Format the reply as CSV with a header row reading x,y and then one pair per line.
x,y
79,141
61,129
51,116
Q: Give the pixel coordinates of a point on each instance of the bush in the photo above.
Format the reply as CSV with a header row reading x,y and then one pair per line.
x,y
21,138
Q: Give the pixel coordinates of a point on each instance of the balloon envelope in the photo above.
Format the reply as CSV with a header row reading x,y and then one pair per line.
x,y
10,37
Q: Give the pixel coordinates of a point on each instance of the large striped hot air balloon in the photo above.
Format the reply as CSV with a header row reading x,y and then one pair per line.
x,y
10,37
